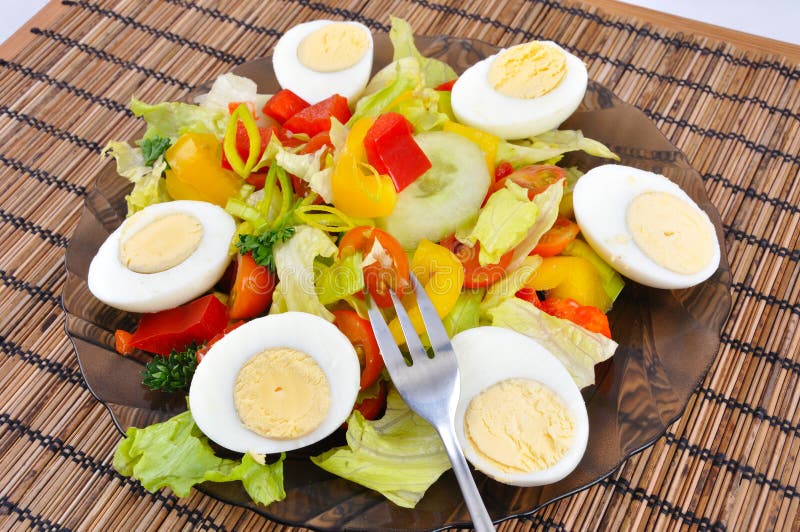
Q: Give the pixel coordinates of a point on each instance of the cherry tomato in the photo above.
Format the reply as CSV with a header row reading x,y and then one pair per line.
x,y
371,407
528,294
556,238
252,289
502,170
536,178
475,275
201,353
379,276
359,332
590,318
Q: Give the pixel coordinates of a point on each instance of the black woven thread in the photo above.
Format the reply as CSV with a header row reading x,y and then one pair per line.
x,y
750,192
50,129
37,521
48,235
759,412
43,177
219,15
623,486
86,461
769,299
721,460
720,135
759,352
167,35
12,349
41,294
105,56
792,254
344,13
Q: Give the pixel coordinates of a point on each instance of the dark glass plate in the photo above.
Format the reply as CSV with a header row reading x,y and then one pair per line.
x,y
667,341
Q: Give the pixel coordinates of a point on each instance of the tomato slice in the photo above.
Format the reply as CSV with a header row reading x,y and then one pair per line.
x,y
201,353
556,238
371,407
590,318
447,85
359,332
536,178
475,275
502,170
528,294
380,276
252,289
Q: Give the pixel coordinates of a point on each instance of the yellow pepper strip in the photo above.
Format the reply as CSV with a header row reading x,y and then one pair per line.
x,y
442,275
570,277
243,168
487,142
358,190
195,172
327,218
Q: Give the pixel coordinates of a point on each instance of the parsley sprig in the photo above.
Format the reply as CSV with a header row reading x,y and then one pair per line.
x,y
171,373
153,148
262,245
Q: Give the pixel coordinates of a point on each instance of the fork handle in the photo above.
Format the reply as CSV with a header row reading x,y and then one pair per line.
x,y
477,510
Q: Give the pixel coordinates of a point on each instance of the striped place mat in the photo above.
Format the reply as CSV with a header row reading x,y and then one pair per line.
x,y
729,463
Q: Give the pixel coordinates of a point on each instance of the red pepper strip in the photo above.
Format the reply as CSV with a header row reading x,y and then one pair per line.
x,y
317,118
175,329
447,85
391,149
283,105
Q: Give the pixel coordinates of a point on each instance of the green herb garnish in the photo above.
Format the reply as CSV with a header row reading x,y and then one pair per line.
x,y
173,372
262,245
153,148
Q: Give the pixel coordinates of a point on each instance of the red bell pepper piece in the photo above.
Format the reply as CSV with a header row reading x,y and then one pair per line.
x,y
177,328
317,118
447,85
232,106
283,105
392,150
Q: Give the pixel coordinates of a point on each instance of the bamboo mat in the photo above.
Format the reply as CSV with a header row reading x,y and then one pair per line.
x,y
729,463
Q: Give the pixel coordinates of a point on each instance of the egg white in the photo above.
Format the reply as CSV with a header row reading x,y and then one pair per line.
x,y
600,200
314,86
211,392
488,355
117,286
476,103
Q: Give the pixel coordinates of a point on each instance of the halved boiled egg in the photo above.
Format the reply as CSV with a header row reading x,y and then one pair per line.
x,y
646,227
324,57
276,383
520,418
521,91
162,256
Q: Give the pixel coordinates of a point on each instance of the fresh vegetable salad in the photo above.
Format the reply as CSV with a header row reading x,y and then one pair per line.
x,y
259,226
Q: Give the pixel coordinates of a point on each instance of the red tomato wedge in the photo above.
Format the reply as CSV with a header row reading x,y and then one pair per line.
x,y
447,85
317,118
381,275
502,170
556,238
283,105
252,289
528,294
536,178
475,275
359,332
590,318
392,150
371,407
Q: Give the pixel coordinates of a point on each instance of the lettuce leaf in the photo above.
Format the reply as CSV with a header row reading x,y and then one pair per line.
x,y
175,454
226,89
294,264
422,110
407,76
548,202
399,455
508,286
434,72
172,119
578,349
465,314
340,280
550,145
148,185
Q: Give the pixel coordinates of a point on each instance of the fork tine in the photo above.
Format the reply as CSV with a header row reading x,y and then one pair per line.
x,y
392,356
415,348
433,324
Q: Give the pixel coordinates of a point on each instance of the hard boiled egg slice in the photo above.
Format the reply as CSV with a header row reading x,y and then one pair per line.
x,y
324,57
522,91
162,256
646,227
520,417
276,383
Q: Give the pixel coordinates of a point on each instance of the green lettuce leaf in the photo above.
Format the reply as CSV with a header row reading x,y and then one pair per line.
x,y
407,76
226,89
578,349
434,72
399,455
173,119
175,454
465,314
340,280
548,202
422,110
294,264
550,145
148,185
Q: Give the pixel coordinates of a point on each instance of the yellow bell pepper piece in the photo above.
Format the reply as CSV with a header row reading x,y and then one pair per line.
x,y
358,190
442,275
487,142
570,277
196,173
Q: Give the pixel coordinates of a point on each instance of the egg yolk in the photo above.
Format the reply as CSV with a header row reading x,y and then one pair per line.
x,y
528,70
670,232
519,426
333,47
161,244
281,393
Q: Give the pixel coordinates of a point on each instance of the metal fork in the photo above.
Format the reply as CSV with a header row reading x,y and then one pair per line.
x,y
430,386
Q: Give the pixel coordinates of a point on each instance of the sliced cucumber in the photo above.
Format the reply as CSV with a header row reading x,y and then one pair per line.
x,y
445,197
